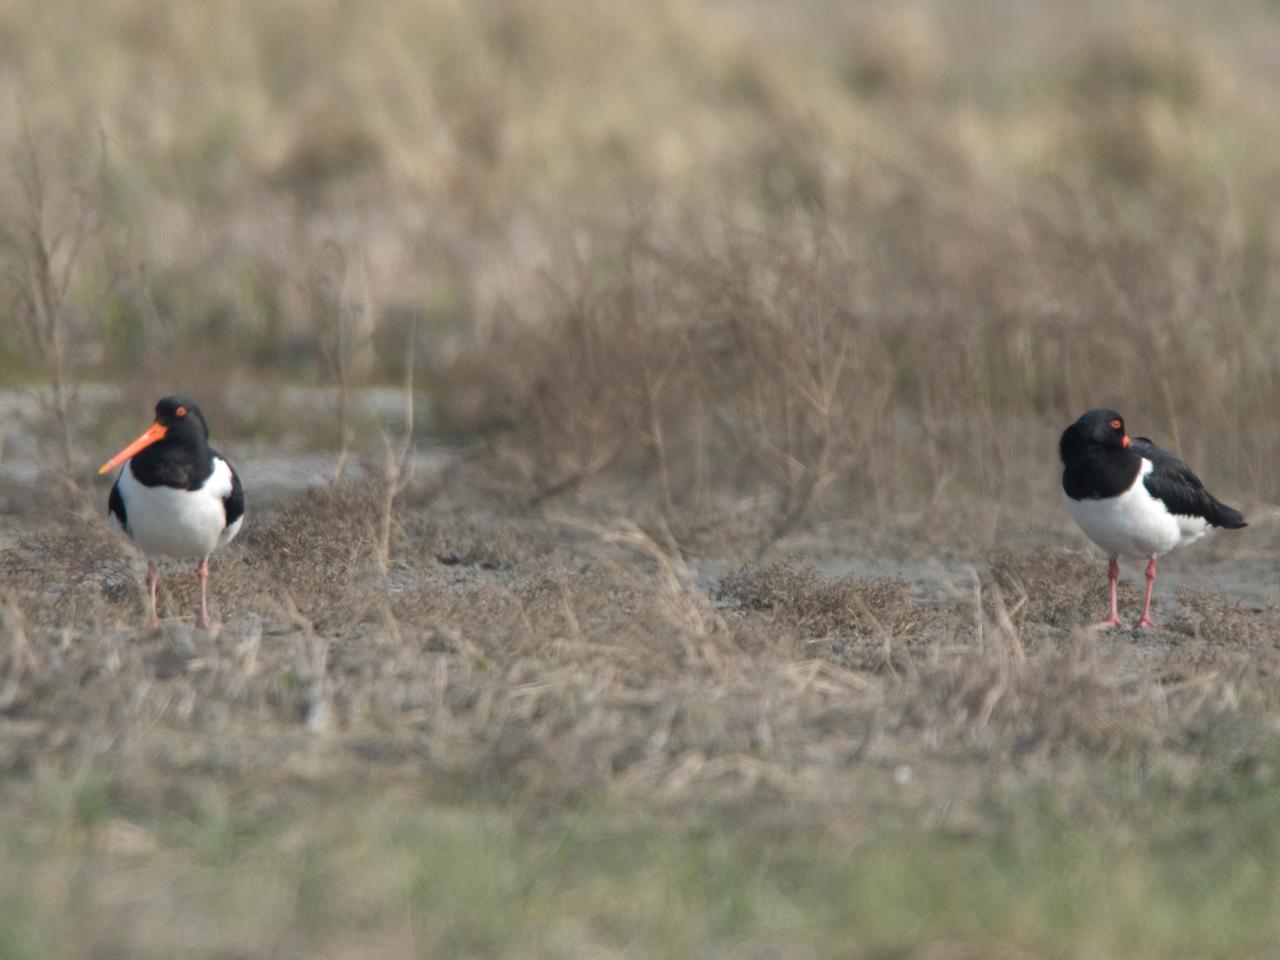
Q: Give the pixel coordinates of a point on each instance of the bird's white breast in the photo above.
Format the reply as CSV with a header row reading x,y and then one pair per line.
x,y
1134,524
167,522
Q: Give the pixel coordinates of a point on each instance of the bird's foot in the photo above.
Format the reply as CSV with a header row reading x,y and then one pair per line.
x,y
1145,621
153,623
204,623
1107,624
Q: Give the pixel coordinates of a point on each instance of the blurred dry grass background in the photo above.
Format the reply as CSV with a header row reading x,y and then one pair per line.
x,y
699,292
834,241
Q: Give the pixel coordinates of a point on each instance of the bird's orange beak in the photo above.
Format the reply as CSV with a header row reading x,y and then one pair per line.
x,y
1123,443
151,435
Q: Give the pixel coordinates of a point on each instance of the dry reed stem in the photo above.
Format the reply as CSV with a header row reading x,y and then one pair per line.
x,y
397,467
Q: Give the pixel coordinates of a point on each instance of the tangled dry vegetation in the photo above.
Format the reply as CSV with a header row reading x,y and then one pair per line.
x,y
575,658
555,663
789,295
860,255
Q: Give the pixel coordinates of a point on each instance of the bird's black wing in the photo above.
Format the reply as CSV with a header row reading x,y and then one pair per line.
x,y
115,506
233,502
1174,484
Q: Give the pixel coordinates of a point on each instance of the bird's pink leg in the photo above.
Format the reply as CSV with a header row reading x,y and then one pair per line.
x,y
202,571
1113,574
153,580
1145,619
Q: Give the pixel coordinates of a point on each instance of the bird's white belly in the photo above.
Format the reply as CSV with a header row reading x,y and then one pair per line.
x,y
1134,524
167,522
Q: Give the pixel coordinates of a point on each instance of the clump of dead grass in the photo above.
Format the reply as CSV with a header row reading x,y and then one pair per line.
x,y
805,601
1058,586
74,575
1062,697
1218,620
315,558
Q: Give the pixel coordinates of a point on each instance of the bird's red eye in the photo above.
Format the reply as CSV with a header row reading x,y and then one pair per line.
x,y
182,412
1115,424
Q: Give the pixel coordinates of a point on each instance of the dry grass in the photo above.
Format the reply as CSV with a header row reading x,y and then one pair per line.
x,y
716,304
511,602
796,369
560,669
593,661
797,266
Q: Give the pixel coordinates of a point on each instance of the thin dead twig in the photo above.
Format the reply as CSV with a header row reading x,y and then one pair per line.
x,y
397,464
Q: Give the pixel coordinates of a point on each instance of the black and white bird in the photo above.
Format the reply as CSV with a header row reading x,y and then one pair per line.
x,y
1133,499
176,497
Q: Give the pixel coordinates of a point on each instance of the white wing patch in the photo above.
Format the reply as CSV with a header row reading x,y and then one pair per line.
x,y
229,532
220,482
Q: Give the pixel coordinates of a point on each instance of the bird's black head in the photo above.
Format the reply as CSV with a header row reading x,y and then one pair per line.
x,y
182,420
178,435
1097,460
1096,432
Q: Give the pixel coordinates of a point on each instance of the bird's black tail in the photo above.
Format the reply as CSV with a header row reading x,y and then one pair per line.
x,y
1223,516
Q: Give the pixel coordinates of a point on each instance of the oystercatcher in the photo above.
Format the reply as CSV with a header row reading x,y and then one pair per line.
x,y
1133,499
176,497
